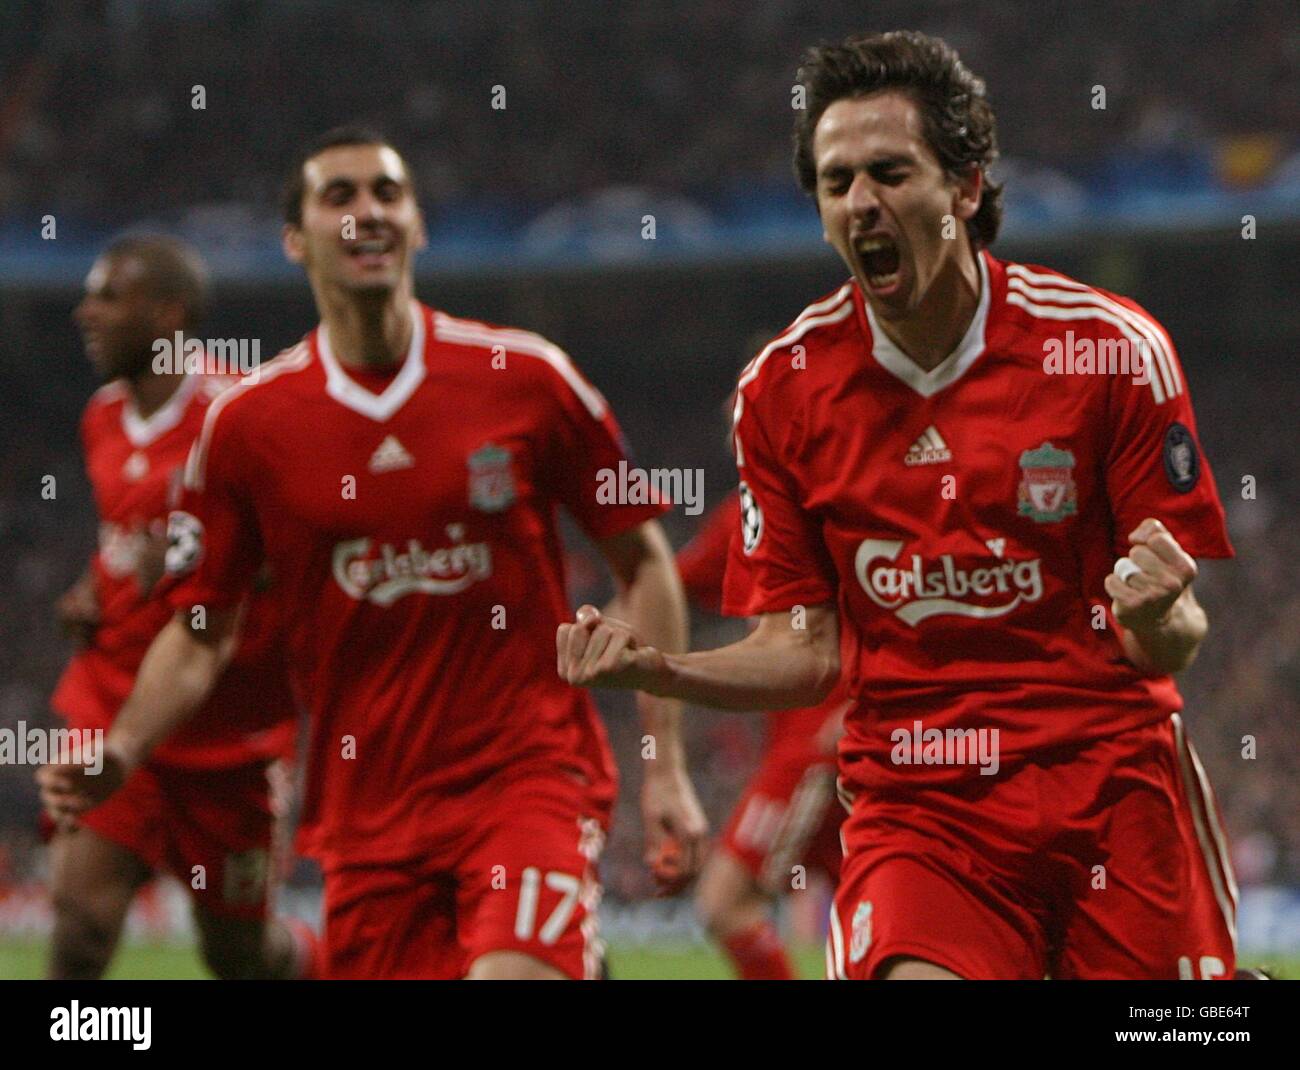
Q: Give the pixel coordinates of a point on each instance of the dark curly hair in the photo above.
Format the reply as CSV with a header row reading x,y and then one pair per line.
x,y
958,121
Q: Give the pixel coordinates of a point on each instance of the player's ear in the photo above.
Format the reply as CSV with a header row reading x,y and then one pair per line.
x,y
291,242
421,233
967,191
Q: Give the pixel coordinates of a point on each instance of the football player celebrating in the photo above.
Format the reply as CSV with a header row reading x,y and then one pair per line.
x,y
202,805
923,469
400,470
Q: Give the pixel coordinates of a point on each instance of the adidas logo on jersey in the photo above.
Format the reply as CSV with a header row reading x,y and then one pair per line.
x,y
930,448
389,456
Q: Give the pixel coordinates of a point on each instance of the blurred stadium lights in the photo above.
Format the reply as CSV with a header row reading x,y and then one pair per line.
x,y
605,228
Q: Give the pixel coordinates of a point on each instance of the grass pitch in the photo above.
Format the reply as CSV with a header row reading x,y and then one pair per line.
x,y
25,959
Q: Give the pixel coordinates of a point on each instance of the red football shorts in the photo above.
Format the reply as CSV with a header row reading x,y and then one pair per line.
x,y
521,876
222,820
1102,860
789,815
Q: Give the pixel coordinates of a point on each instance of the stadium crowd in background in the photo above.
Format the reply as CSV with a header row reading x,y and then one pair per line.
x,y
589,106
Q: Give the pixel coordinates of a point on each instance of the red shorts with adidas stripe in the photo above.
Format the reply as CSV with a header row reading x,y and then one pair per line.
x,y
789,814
517,874
1101,860
222,820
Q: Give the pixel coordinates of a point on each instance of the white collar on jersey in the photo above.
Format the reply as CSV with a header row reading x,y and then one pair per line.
x,y
351,394
953,366
140,431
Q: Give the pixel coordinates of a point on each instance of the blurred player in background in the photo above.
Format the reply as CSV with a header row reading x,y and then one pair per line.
x,y
202,805
921,468
788,816
400,469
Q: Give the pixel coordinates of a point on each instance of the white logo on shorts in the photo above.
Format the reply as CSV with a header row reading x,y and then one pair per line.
x,y
860,939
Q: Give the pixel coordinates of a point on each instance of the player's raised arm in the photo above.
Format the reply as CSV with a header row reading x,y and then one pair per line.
x,y
1165,506
176,677
791,659
777,572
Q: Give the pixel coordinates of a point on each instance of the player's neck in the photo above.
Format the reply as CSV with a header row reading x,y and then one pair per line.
x,y
369,334
150,392
933,331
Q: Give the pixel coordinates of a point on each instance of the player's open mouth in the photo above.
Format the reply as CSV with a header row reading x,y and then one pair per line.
x,y
880,262
371,250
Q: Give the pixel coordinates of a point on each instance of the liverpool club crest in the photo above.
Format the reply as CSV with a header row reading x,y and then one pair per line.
x,y
491,481
1047,490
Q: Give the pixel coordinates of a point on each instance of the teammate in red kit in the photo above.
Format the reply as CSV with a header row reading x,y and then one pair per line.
x,y
400,471
788,816
201,806
1025,801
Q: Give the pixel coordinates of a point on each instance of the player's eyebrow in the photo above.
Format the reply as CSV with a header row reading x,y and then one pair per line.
x,y
339,183
885,163
876,164
350,185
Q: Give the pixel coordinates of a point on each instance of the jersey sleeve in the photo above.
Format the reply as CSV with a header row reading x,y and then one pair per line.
x,y
214,551
702,562
779,560
1155,466
589,464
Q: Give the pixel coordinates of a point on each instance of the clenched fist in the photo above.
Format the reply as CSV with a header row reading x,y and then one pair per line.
x,y
1145,585
69,789
599,651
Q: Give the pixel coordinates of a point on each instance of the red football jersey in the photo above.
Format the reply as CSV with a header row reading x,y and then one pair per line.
x,y
135,466
414,533
965,518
